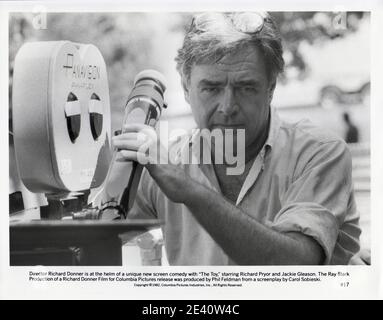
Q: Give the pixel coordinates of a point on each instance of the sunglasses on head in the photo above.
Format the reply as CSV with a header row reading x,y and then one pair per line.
x,y
246,22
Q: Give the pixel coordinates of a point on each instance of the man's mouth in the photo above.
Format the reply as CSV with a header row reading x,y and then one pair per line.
x,y
227,126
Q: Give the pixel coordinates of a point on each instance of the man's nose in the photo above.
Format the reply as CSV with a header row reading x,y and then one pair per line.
x,y
228,104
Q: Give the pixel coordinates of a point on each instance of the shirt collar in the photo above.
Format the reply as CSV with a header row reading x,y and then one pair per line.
x,y
275,123
256,167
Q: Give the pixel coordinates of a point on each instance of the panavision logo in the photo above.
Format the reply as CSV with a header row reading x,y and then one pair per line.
x,y
80,71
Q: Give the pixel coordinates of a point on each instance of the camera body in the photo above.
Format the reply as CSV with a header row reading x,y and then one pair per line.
x,y
61,142
61,117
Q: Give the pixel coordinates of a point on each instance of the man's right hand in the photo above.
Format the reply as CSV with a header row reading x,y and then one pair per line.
x,y
140,143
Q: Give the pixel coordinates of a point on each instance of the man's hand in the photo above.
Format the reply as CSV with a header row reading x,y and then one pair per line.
x,y
244,239
141,143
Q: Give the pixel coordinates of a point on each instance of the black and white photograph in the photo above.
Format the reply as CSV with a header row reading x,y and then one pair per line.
x,y
207,138
219,147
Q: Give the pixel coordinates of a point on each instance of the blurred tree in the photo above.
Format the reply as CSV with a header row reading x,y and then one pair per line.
x,y
123,39
312,27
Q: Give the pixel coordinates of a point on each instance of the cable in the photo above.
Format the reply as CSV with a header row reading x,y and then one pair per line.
x,y
119,209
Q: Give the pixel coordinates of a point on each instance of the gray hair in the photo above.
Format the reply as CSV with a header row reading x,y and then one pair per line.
x,y
214,35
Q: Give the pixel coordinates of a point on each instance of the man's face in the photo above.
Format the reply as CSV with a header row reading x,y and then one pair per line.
x,y
234,93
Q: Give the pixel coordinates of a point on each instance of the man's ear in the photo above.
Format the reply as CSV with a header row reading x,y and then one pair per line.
x,y
185,86
271,89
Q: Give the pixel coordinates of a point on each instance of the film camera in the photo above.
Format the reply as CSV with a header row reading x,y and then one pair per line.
x,y
62,146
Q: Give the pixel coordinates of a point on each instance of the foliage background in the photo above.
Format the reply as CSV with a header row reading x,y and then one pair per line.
x,y
131,42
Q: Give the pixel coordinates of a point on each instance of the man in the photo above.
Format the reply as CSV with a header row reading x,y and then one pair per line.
x,y
293,203
352,132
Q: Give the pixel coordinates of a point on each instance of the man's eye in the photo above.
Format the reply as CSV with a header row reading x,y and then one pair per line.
x,y
210,89
248,89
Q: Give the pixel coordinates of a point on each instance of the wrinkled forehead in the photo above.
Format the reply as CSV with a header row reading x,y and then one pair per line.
x,y
243,60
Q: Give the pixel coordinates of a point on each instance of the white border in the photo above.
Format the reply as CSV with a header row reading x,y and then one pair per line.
x,y
366,281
